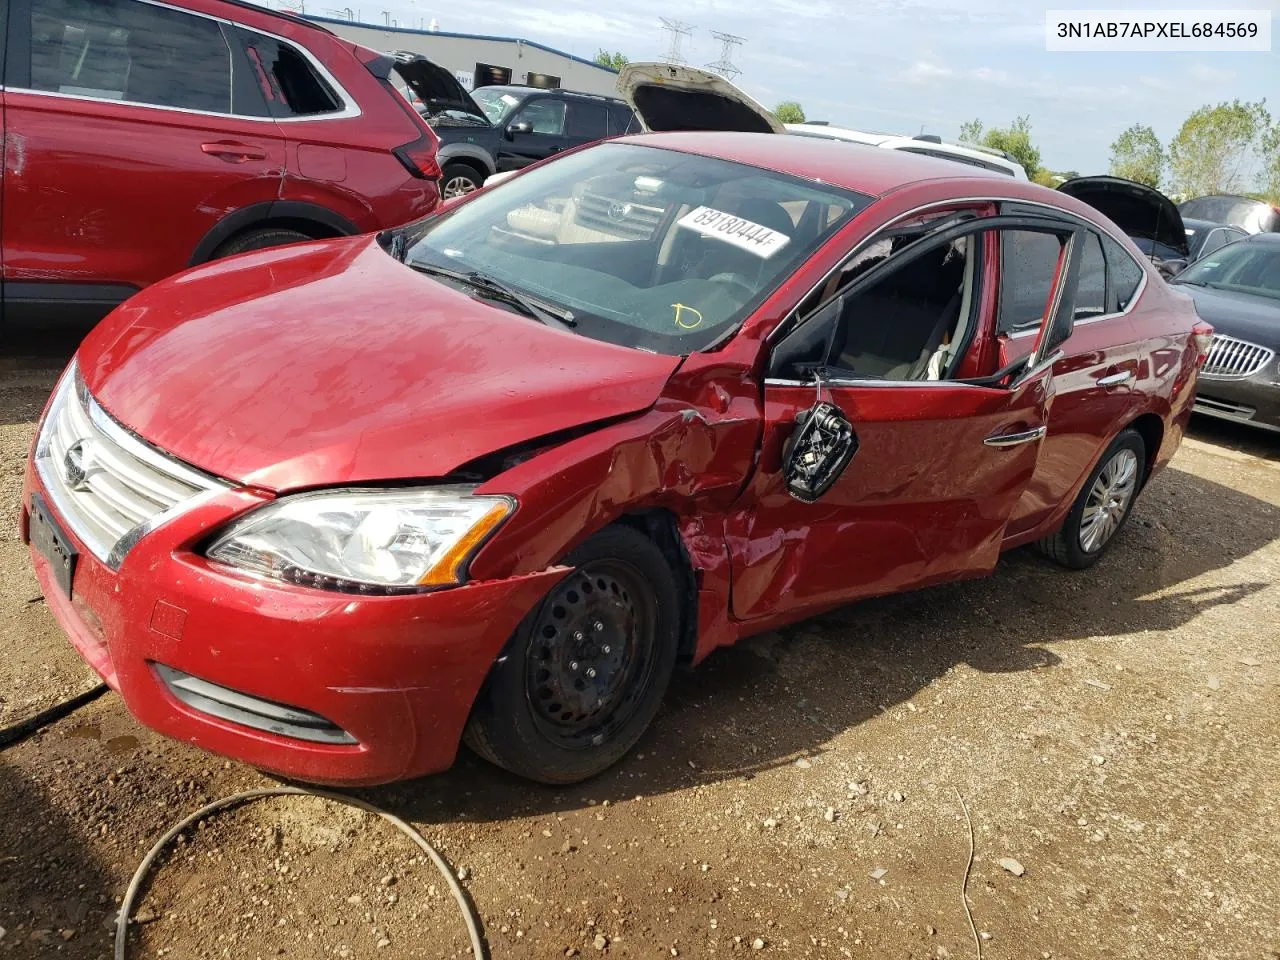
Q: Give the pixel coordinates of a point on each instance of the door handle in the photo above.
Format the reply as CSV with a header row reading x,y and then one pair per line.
x,y
234,152
1003,440
1115,379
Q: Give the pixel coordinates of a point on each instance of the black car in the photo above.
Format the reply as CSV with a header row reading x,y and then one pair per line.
x,y
497,128
1144,213
1251,216
1237,290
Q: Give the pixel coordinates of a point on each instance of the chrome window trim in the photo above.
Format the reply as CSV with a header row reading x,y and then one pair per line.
x,y
950,202
349,108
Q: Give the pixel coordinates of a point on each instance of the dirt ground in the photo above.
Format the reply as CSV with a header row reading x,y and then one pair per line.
x,y
1116,732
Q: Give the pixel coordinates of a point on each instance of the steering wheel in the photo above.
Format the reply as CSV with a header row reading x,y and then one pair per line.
x,y
733,280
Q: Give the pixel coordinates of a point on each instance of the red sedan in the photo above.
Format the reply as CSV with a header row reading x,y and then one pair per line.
x,y
333,509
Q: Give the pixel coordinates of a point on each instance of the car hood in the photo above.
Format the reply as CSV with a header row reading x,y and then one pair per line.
x,y
668,97
437,88
1241,315
1138,210
333,363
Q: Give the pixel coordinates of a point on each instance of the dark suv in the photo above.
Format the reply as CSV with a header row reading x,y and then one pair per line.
x,y
503,127
144,137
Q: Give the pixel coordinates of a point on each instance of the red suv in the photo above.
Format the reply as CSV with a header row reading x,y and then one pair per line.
x,y
142,138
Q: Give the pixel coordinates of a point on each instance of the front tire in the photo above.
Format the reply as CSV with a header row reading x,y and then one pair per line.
x,y
459,179
584,674
1103,507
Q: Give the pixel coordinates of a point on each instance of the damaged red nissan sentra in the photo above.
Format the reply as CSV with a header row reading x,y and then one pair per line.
x,y
333,509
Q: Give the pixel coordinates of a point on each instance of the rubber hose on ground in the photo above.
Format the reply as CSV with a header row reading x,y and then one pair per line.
x,y
20,731
478,949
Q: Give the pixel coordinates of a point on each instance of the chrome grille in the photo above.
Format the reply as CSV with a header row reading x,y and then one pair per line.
x,y
1232,359
622,218
109,487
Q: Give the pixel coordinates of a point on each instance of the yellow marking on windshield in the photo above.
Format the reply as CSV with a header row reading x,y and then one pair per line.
x,y
680,310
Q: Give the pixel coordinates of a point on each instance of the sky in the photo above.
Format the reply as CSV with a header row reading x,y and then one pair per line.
x,y
897,66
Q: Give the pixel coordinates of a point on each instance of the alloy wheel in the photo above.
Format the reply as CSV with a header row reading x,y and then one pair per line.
x,y
458,187
1109,500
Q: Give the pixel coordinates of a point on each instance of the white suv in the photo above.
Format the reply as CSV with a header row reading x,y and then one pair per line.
x,y
930,146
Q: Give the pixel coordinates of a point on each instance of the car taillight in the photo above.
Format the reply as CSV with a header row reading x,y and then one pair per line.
x,y
419,158
1202,337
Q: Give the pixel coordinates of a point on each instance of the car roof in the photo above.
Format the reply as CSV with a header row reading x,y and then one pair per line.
x,y
865,169
523,90
1273,238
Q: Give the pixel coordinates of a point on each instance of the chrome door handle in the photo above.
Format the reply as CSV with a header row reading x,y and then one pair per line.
x,y
1115,379
1016,439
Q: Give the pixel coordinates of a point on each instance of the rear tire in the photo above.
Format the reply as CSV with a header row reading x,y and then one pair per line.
x,y
1103,508
459,179
260,239
583,676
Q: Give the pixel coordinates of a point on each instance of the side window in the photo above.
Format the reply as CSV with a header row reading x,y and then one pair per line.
x,y
545,116
1125,274
289,83
621,120
1214,241
1091,283
126,50
586,120
1028,268
913,322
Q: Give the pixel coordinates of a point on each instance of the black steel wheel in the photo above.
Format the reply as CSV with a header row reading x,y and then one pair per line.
x,y
585,673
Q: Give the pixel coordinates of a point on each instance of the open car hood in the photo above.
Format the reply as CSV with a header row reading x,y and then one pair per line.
x,y
1138,210
667,97
437,88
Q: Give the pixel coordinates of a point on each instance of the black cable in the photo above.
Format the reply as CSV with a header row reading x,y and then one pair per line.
x,y
20,731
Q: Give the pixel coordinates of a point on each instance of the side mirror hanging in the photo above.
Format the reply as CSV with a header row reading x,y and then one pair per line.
x,y
818,450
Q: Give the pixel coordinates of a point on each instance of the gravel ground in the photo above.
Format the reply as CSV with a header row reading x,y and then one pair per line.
x,y
1112,735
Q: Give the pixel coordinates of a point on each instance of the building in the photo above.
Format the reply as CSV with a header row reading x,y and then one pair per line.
x,y
479,60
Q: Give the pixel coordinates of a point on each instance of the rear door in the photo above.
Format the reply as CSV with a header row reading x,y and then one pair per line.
x,y
941,460
131,129
534,132
585,121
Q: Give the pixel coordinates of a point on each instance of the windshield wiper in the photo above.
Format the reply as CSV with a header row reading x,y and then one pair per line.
x,y
498,290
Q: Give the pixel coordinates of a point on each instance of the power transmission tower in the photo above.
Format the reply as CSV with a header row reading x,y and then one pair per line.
x,y
676,31
728,45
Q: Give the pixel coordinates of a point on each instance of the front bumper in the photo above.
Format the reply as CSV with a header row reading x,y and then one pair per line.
x,y
394,676
1255,401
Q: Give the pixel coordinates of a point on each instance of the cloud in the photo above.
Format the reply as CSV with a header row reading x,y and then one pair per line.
x,y
991,75
1203,73
924,72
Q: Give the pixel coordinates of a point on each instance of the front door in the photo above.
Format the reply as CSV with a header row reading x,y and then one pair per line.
x,y
941,460
131,130
533,133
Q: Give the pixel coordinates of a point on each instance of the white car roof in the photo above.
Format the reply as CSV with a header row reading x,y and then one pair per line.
x,y
950,151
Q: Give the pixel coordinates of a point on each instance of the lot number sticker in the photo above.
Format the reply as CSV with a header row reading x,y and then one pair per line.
x,y
742,233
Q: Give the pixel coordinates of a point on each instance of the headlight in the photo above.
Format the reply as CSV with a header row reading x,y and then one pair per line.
x,y
367,541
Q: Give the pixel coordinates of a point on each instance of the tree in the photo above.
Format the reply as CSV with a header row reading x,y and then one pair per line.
x,y
1137,154
788,111
1016,142
1214,149
1271,163
614,61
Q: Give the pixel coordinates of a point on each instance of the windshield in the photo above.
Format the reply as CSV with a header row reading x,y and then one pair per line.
x,y
496,104
1241,267
644,247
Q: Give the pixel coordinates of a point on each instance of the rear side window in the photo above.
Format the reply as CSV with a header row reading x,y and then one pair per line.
x,y
130,51
1028,267
621,120
586,121
1125,274
289,83
1091,282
